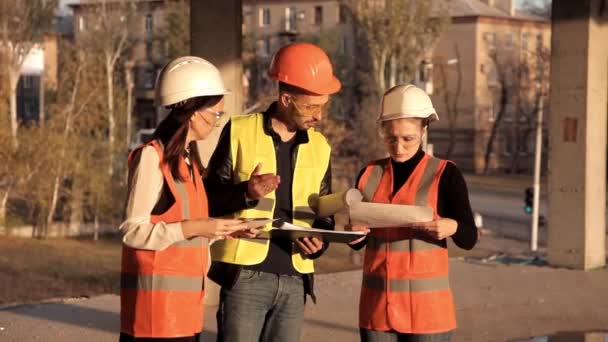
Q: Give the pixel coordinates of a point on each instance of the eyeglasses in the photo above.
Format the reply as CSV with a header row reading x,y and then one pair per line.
x,y
309,109
218,115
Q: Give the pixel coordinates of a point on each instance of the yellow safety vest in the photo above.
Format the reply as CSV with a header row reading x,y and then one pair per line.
x,y
250,145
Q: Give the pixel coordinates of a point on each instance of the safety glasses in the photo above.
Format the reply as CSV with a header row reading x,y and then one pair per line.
x,y
218,116
309,109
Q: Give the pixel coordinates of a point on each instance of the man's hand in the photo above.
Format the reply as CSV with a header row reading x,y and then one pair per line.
x,y
309,245
356,228
261,185
438,229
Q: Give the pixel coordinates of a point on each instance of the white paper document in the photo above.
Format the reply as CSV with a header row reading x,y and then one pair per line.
x,y
372,215
379,215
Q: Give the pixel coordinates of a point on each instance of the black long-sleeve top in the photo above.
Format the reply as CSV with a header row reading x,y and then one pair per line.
x,y
452,202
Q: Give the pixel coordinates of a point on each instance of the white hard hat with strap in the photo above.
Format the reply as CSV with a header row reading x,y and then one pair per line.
x,y
188,77
406,101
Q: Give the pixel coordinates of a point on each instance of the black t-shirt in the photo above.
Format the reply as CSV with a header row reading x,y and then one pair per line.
x,y
278,260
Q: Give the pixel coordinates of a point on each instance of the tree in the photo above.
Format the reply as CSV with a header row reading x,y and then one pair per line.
x,y
22,27
449,90
76,95
110,22
396,34
520,79
393,36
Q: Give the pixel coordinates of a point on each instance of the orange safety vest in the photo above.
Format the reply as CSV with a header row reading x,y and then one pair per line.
x,y
405,275
162,292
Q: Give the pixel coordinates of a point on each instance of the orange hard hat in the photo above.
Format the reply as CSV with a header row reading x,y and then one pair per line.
x,y
305,66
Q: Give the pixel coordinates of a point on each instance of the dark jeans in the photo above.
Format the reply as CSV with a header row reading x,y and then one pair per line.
x,y
393,336
128,338
261,307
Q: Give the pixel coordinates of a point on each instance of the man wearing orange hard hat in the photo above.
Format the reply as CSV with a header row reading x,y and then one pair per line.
x,y
268,165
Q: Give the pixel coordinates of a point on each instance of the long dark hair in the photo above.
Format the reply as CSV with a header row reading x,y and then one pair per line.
x,y
173,130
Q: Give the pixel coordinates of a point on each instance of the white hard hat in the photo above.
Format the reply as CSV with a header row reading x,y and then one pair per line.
x,y
406,101
187,77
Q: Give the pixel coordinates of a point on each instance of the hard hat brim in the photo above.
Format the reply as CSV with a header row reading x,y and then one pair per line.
x,y
176,97
330,88
394,116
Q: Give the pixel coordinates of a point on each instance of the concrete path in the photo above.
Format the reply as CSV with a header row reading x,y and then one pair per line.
x,y
495,302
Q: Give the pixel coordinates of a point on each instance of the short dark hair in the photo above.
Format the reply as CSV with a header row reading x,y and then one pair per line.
x,y
291,89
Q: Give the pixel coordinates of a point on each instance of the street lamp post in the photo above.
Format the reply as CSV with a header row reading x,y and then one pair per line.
x,y
536,185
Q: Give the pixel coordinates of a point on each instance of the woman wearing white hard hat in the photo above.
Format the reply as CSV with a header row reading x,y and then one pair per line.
x,y
167,229
406,294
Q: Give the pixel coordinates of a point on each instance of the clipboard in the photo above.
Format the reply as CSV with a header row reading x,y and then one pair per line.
x,y
292,232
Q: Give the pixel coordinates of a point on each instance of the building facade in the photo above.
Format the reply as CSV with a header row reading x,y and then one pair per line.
x,y
489,44
491,62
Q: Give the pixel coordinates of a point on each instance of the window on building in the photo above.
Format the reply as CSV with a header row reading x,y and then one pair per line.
x,y
264,17
81,24
343,45
343,10
149,23
149,77
30,112
510,40
28,82
492,114
525,41
508,147
318,15
490,39
263,47
291,19
539,41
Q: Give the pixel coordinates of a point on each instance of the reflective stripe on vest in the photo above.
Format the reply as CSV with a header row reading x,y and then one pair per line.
x,y
250,145
405,282
162,291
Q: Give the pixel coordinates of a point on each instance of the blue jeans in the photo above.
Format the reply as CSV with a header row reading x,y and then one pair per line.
x,y
261,307
393,336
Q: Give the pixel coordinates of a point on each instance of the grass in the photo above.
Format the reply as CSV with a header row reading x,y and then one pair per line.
x,y
33,270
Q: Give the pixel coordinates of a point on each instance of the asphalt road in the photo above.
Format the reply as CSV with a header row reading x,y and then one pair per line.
x,y
503,212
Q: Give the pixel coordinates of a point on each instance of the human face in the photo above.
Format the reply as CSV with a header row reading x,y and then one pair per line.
x,y
205,119
402,138
306,111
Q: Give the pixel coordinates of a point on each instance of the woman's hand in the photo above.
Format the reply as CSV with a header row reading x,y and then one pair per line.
x,y
438,229
212,228
247,233
356,228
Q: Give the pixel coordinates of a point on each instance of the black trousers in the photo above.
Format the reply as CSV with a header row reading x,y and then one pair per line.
x,y
128,338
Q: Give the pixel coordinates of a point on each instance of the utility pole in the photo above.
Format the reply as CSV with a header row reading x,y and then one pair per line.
x,y
536,185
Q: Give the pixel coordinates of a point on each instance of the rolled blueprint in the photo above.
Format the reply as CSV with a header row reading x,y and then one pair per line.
x,y
340,201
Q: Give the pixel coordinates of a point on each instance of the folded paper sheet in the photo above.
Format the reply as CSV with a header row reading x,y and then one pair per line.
x,y
372,215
